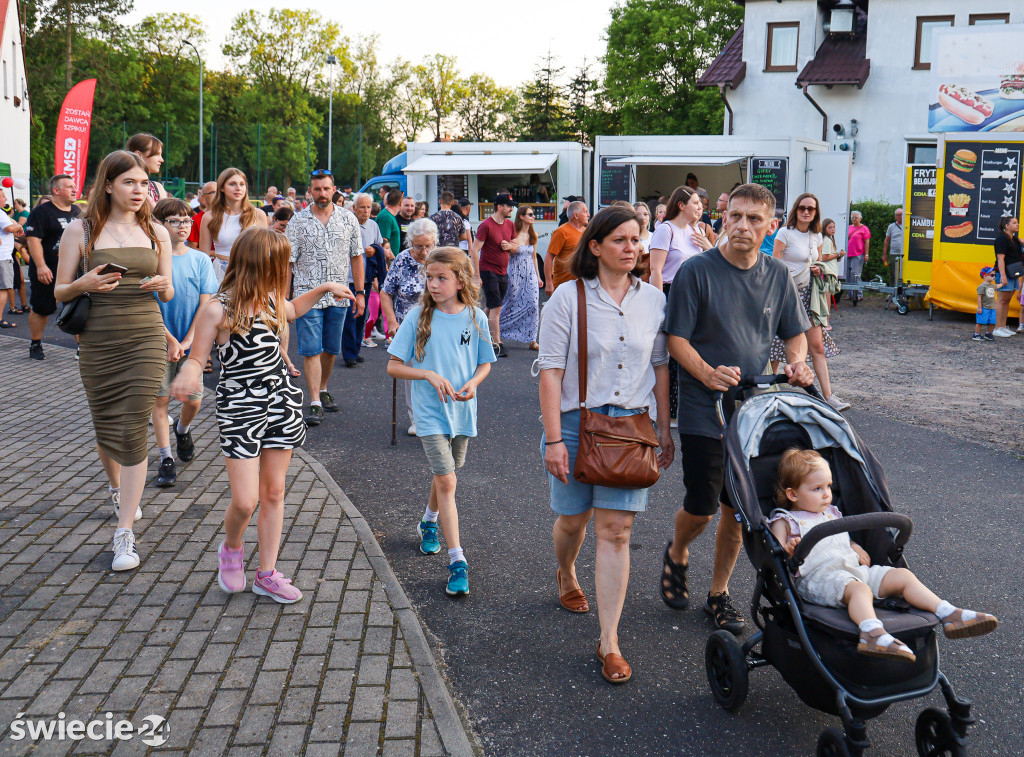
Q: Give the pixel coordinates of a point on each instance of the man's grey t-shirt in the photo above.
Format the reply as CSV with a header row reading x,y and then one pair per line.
x,y
729,315
895,234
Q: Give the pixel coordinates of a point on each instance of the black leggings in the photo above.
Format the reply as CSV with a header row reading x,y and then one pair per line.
x,y
673,375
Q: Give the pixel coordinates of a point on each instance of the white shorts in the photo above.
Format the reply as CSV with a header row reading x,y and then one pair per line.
x,y
826,585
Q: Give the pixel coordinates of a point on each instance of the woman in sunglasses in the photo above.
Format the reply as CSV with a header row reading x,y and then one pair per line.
x,y
798,245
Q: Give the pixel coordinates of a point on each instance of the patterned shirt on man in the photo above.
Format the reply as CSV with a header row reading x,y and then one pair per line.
x,y
322,253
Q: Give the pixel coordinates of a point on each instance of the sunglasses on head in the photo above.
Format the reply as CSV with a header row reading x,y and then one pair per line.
x,y
321,172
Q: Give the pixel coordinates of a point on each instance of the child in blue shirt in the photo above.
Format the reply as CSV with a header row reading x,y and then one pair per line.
x,y
444,343
194,283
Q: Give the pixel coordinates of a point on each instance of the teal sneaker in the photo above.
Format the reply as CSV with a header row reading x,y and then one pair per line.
x,y
427,530
458,581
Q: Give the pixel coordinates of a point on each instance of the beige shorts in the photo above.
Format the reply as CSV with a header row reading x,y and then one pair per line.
x,y
444,454
169,373
826,585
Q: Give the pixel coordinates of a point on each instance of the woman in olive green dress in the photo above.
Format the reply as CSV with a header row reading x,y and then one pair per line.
x,y
123,350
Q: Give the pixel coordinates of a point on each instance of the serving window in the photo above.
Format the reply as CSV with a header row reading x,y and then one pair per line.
x,y
536,190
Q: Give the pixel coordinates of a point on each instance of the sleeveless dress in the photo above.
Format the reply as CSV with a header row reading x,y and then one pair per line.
x,y
230,228
258,406
123,355
520,310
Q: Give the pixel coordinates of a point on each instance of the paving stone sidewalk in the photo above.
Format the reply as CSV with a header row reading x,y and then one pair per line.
x,y
347,670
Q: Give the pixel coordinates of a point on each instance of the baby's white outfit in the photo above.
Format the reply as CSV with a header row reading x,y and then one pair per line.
x,y
832,564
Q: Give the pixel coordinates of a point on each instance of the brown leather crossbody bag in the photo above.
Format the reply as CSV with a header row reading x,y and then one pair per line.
x,y
617,452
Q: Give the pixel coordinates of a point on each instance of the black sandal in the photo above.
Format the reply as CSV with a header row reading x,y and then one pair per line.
x,y
674,589
7,325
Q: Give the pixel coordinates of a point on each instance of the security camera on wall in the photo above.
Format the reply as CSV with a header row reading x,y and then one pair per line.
x,y
839,130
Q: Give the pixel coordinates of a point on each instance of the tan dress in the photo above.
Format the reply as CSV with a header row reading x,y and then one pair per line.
x,y
123,355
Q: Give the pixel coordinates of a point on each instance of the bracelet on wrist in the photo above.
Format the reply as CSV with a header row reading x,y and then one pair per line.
x,y
548,444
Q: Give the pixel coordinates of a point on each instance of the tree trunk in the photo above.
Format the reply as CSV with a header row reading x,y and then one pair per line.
x,y
67,42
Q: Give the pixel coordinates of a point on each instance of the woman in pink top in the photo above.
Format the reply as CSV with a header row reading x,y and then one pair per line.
x,y
860,236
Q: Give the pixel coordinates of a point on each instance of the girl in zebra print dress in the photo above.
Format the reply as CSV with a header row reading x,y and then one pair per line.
x,y
259,409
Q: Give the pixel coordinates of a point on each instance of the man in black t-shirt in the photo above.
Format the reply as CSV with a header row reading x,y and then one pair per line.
x,y
724,308
43,230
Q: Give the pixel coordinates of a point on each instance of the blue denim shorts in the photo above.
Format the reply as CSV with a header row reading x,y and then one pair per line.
x,y
986,317
1009,286
575,498
320,330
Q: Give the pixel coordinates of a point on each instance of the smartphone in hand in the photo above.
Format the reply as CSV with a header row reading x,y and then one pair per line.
x,y
112,268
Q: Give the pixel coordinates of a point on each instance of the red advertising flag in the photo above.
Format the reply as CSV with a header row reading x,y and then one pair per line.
x,y
73,126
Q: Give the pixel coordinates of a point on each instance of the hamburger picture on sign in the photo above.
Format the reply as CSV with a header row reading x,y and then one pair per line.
x,y
977,81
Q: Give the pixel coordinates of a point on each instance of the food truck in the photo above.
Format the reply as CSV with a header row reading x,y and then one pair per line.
x,y
537,173
644,168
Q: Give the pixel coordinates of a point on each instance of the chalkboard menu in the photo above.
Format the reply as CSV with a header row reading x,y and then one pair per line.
x,y
614,182
772,174
982,185
919,223
457,184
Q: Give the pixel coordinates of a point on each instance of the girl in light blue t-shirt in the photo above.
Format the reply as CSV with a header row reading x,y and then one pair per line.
x,y
444,343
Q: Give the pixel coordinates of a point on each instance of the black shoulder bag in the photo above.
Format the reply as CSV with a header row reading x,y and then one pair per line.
x,y
75,314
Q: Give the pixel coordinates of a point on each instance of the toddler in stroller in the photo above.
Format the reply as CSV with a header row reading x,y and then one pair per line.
x,y
838,572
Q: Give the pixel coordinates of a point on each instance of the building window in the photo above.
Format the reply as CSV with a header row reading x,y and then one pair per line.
x,y
977,19
923,153
926,26
782,46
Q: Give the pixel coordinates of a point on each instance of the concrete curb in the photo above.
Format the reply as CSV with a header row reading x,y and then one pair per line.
x,y
449,725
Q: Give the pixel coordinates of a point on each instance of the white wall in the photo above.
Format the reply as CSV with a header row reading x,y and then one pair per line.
x,y
15,121
892,105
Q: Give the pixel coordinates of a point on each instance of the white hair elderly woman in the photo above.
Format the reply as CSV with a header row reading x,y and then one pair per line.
x,y
857,251
404,285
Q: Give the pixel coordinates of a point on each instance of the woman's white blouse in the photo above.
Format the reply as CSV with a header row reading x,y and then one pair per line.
x,y
624,343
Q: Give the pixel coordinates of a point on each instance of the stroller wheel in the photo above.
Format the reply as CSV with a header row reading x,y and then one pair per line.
x,y
934,735
726,666
832,743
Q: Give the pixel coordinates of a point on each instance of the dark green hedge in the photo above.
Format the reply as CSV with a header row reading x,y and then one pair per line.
x,y
877,216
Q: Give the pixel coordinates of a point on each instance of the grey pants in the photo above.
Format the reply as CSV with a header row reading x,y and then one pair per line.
x,y
854,272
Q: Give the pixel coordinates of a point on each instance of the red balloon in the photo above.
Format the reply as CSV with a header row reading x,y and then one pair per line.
x,y
7,181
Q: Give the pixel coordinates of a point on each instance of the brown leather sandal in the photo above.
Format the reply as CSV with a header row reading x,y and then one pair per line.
x,y
956,628
574,600
896,650
613,665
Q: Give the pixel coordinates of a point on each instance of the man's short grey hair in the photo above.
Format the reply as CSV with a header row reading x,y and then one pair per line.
x,y
574,208
701,192
855,214
421,227
362,196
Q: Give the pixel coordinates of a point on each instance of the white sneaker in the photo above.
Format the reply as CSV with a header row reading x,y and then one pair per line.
x,y
377,335
838,403
1020,327
125,556
369,343
115,501
412,429
1003,332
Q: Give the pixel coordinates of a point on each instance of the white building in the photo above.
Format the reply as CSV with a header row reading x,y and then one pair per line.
x,y
783,74
15,113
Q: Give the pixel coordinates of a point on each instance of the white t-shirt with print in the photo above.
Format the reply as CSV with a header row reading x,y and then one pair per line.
x,y
802,249
6,238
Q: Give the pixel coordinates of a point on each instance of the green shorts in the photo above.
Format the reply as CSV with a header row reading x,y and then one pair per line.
x,y
169,373
444,454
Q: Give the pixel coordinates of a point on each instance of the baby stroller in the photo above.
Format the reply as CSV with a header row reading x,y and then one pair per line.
x,y
814,648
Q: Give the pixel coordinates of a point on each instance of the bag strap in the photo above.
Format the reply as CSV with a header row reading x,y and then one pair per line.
x,y
87,229
581,339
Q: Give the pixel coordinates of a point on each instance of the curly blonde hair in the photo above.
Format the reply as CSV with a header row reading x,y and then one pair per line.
x,y
468,294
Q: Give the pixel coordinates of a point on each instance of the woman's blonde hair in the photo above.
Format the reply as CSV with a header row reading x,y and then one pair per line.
x,y
256,281
219,204
469,295
794,467
98,209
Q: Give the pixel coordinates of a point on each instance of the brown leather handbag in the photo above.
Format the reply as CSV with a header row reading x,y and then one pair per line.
x,y
617,452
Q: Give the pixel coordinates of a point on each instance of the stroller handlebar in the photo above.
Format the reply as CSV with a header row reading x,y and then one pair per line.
x,y
861,522
753,382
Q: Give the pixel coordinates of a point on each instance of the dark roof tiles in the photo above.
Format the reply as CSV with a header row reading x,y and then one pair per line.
x,y
728,69
839,60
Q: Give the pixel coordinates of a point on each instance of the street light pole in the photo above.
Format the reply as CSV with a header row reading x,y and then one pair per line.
x,y
200,59
331,60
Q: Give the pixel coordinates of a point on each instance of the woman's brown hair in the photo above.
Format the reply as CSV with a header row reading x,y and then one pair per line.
x,y
794,467
815,225
520,223
679,195
219,204
98,209
144,144
469,294
256,281
584,264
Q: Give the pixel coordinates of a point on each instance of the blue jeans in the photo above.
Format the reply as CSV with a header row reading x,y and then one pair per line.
x,y
320,331
352,336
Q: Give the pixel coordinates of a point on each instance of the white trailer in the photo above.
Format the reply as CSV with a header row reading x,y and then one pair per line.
x,y
535,173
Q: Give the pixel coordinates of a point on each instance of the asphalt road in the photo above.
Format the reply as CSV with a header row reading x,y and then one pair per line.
x,y
525,669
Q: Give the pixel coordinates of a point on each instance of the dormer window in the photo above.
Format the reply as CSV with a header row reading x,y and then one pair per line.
x,y
781,54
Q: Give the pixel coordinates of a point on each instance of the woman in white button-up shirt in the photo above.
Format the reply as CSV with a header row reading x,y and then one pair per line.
x,y
627,367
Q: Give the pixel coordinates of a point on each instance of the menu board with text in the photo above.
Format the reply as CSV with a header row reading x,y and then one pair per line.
x,y
919,221
614,182
772,174
982,185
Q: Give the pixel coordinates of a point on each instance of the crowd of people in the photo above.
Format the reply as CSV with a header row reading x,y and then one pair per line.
x,y
674,309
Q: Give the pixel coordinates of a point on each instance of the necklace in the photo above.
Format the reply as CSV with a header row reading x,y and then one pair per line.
x,y
120,242
124,223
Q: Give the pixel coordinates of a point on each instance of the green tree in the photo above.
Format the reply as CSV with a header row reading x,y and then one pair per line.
x,y
486,112
544,117
657,49
403,105
77,18
438,83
